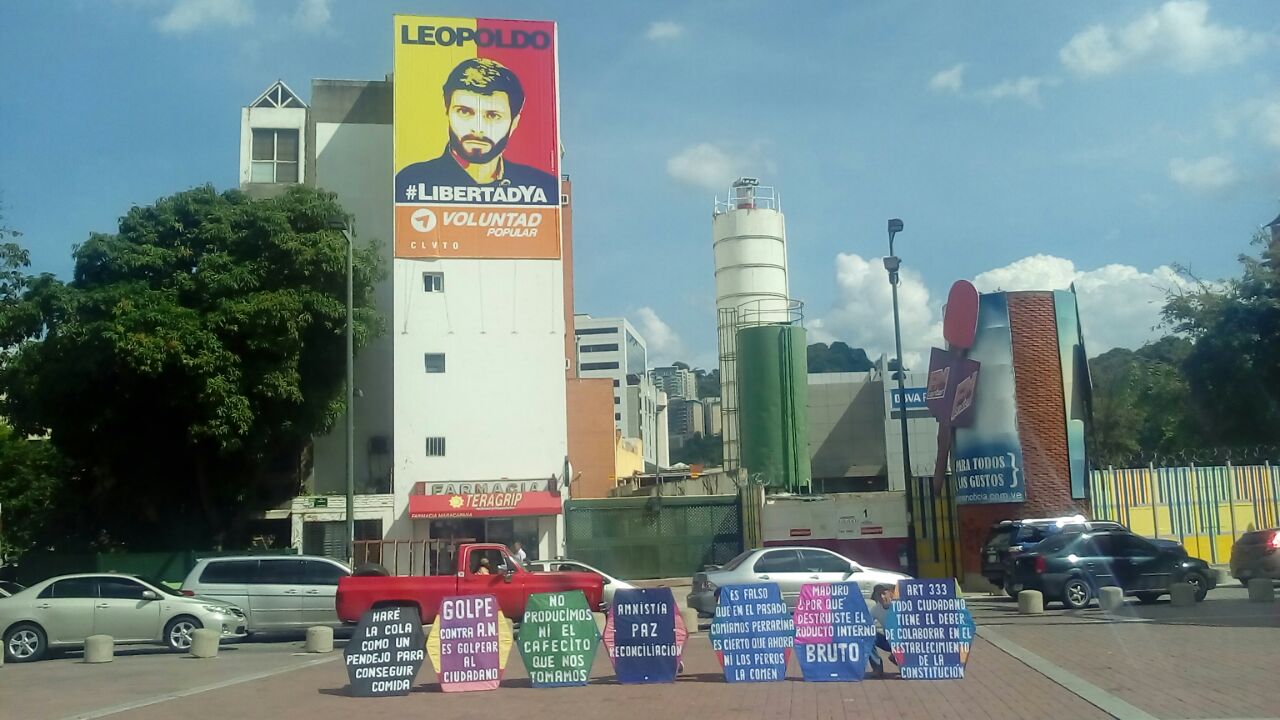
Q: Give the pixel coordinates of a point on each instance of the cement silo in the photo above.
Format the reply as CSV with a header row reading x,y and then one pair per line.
x,y
773,381
750,246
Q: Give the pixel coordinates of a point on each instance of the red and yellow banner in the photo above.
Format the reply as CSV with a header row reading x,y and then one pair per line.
x,y
477,140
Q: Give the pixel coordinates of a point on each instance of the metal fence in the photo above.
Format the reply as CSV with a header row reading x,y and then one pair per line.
x,y
654,537
1204,508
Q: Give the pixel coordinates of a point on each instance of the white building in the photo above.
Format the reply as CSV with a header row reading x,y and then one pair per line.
x,y
676,382
464,394
612,348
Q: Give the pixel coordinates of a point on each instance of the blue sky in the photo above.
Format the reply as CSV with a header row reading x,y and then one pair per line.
x,y
1025,145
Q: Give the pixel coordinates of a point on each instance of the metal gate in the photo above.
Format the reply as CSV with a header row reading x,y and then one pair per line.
x,y
654,537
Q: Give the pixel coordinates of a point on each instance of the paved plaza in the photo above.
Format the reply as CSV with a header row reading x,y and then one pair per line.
x,y
1217,660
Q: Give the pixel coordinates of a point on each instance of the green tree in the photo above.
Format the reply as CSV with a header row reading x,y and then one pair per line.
x,y
838,357
705,450
186,366
33,480
1234,365
1142,404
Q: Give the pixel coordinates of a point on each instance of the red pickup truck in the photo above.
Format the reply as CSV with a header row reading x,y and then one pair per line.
x,y
505,579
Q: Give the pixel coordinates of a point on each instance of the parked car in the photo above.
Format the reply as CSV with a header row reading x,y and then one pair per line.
x,y
1070,567
1008,539
611,583
8,588
791,568
286,592
1255,555
61,612
481,568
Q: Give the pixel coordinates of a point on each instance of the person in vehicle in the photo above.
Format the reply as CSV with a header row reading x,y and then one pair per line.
x,y
484,567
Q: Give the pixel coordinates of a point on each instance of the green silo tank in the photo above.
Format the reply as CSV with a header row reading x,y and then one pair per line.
x,y
773,393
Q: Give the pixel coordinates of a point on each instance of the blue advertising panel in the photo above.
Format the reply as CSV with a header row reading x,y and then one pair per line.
x,y
930,630
834,632
752,633
988,466
915,399
644,635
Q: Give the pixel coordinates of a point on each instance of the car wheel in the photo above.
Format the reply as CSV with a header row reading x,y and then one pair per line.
x,y
1076,594
1147,598
177,634
25,642
1197,581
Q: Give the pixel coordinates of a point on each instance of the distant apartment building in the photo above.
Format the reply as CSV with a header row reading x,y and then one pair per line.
x,y
711,415
676,382
612,348
686,418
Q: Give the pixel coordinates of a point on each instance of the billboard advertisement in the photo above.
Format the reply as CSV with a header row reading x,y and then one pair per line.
x,y
477,139
988,465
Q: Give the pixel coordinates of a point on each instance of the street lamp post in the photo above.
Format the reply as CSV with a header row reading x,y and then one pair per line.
x,y
892,264
348,232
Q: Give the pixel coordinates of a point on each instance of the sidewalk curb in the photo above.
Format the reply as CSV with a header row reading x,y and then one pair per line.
x,y
1072,683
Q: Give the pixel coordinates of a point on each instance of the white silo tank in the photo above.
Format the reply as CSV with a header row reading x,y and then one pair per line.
x,y
750,245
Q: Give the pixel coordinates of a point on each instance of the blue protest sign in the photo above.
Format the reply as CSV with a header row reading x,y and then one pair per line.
x,y
930,630
644,635
752,633
834,632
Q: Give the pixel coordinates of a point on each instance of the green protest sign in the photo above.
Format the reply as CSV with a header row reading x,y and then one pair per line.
x,y
558,639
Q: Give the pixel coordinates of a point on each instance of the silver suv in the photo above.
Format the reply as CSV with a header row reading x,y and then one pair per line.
x,y
288,592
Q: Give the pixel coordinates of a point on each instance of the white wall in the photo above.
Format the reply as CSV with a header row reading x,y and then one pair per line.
x,y
500,404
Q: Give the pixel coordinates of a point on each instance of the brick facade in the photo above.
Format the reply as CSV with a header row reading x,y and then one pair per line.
x,y
1037,370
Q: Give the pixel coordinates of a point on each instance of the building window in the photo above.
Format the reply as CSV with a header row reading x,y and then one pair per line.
x,y
599,366
616,400
434,362
597,331
433,282
617,416
616,383
611,347
435,447
275,156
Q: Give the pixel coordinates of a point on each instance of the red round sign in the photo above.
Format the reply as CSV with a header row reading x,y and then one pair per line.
x,y
960,320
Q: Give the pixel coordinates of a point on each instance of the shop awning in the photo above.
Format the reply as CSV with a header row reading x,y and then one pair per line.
x,y
495,504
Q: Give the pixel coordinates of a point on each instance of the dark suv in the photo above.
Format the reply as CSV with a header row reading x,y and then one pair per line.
x,y
1070,567
1010,538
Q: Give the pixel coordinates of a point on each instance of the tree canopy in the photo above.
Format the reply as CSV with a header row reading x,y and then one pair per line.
x,y
838,357
187,364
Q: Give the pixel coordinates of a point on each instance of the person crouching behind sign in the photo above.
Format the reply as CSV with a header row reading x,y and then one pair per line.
x,y
881,599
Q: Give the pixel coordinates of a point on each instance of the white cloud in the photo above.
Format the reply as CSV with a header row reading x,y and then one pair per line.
x,y
1178,34
1206,175
1119,304
863,316
1026,89
664,30
712,167
188,15
663,343
1266,124
312,14
950,80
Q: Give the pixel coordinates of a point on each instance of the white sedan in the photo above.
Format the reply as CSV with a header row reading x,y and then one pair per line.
x,y
61,612
611,584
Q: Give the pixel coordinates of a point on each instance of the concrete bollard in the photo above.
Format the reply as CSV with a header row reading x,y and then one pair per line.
x,y
99,649
1110,598
1030,602
1262,590
319,639
690,616
204,643
1182,594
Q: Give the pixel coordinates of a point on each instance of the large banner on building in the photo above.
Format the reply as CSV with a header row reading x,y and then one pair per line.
x,y
477,139
988,455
